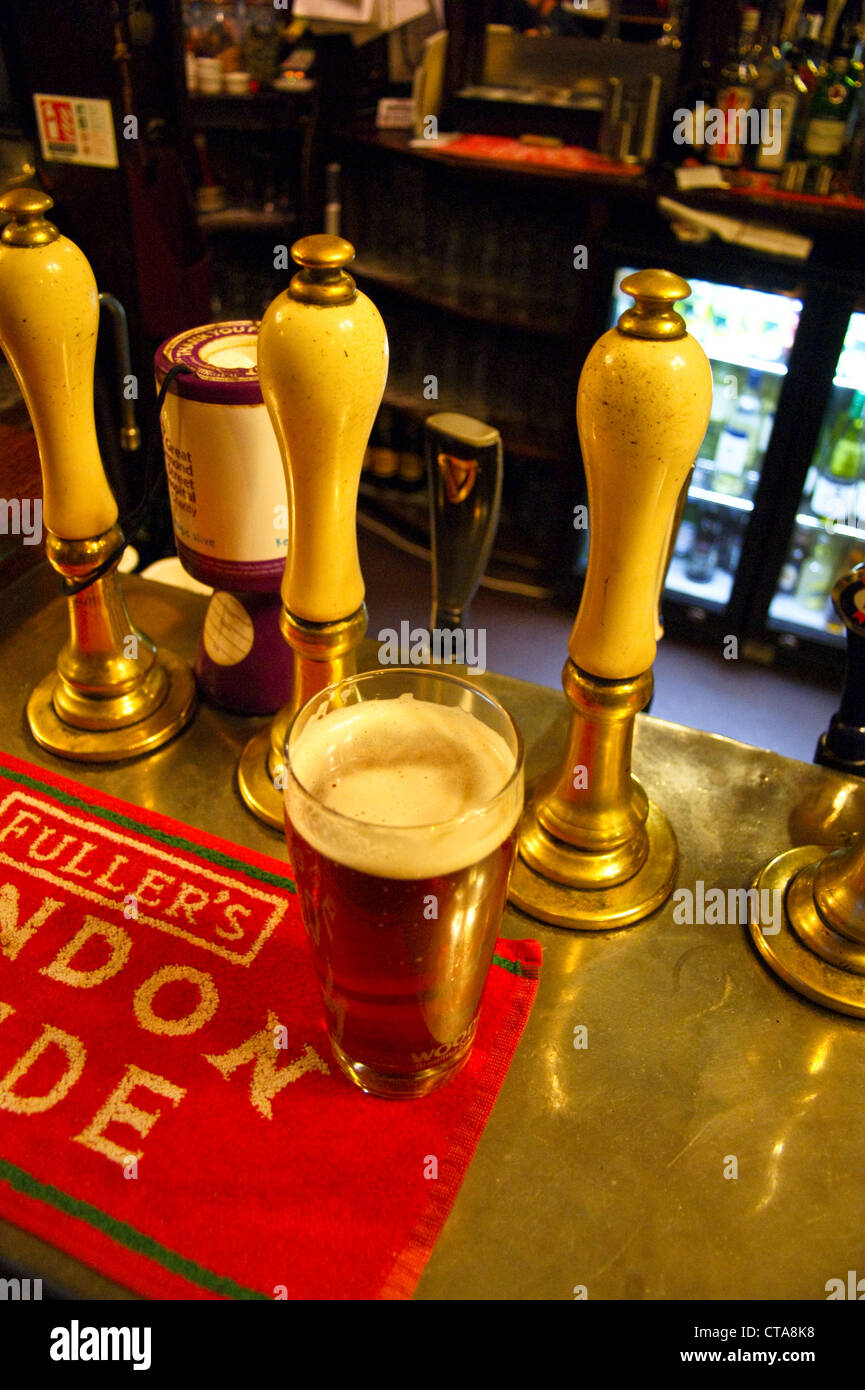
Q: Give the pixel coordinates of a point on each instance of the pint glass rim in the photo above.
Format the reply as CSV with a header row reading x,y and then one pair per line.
x,y
411,673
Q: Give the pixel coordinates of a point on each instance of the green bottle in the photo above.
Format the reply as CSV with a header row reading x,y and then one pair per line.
x,y
831,105
846,460
834,498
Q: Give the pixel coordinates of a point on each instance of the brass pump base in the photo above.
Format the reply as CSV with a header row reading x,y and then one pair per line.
x,y
323,654
594,853
819,950
601,908
113,695
113,745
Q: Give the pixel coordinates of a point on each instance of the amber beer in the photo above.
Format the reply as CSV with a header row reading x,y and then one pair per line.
x,y
403,794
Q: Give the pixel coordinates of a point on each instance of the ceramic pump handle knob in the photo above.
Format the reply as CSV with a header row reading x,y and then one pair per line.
x,y
322,364
49,319
643,406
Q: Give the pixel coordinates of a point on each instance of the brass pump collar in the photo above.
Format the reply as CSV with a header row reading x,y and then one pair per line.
x,y
323,280
653,314
28,227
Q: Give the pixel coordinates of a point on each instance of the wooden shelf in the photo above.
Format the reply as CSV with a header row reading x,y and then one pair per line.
x,y
414,287
260,111
516,438
407,513
238,219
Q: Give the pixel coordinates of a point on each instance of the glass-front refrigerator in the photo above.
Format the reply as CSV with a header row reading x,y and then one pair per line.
x,y
748,337
828,536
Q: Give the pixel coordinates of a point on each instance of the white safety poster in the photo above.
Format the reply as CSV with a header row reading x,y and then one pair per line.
x,y
76,130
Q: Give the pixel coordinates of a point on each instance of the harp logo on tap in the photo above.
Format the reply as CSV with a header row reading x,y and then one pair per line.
x,y
459,476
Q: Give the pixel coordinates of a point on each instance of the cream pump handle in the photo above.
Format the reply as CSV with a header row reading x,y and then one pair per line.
x,y
49,319
322,365
643,406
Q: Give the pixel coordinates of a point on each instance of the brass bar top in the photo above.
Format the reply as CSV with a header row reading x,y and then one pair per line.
x,y
609,1165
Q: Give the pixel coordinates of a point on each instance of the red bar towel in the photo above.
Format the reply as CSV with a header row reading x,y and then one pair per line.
x,y
505,149
170,1112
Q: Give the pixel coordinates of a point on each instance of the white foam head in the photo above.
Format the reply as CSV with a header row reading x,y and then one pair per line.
x,y
402,788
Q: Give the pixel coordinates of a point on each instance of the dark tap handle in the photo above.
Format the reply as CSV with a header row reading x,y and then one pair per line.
x,y
130,435
843,745
464,467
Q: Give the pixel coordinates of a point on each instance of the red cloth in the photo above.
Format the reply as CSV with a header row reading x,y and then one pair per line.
x,y
248,1184
509,151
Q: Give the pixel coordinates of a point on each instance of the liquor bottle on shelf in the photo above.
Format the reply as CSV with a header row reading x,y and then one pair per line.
x,y
724,390
736,90
740,438
835,495
781,99
806,57
856,128
687,532
831,107
811,55
792,566
732,539
385,457
765,53
817,574
701,90
412,469
702,562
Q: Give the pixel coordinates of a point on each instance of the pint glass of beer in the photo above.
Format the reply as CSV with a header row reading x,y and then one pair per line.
x,y
403,792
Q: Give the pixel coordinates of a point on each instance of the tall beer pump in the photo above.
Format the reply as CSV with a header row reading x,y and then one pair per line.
x,y
842,746
594,852
819,948
113,695
322,364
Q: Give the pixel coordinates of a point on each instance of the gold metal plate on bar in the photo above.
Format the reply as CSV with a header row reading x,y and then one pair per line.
x,y
255,783
128,741
606,1162
788,952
